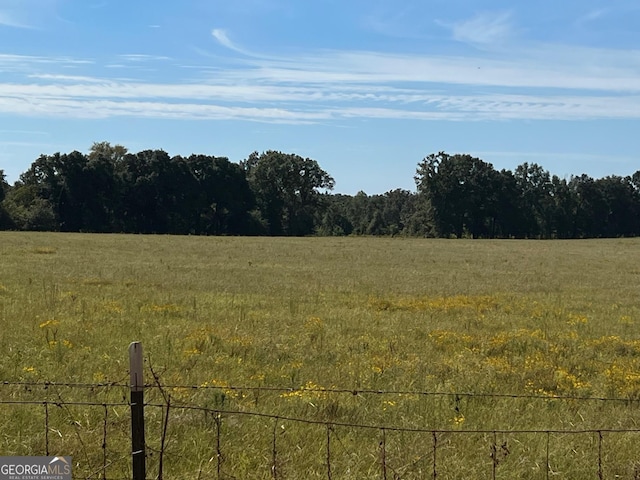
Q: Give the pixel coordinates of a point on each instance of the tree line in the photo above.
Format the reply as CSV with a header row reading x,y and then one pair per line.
x,y
275,193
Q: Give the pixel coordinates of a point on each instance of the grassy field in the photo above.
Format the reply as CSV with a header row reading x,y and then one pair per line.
x,y
442,319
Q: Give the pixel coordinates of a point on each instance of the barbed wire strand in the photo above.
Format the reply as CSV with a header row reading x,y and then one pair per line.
x,y
330,429
393,428
350,391
388,428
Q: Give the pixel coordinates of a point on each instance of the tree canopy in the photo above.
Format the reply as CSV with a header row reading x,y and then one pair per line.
x,y
287,189
110,189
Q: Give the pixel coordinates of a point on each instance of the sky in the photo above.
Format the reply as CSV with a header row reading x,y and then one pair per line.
x,y
367,88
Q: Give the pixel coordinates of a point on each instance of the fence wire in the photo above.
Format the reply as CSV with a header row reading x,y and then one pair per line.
x,y
105,459
322,390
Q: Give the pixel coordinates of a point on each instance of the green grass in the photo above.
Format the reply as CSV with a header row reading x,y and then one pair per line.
x,y
539,318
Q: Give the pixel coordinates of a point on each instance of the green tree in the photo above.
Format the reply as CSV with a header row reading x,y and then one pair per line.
x,y
4,185
591,209
398,207
335,221
360,211
288,191
36,198
103,188
104,150
66,183
5,188
27,210
219,198
462,192
152,191
621,211
536,203
564,208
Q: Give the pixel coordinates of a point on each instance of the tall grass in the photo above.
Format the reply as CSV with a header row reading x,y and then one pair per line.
x,y
545,319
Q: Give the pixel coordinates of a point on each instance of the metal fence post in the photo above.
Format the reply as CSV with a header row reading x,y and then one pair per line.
x,y
137,411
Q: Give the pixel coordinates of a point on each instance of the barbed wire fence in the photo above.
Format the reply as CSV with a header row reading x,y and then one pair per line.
x,y
106,453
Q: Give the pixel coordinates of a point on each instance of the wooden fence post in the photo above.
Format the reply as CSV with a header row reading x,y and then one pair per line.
x,y
137,411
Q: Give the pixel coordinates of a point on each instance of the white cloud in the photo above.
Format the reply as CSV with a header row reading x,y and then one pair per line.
x,y
224,40
396,20
140,57
544,67
25,61
29,14
297,104
484,29
64,78
8,19
593,15
538,82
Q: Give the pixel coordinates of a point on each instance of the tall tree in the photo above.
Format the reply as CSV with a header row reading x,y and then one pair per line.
x,y
507,221
4,185
536,203
591,210
5,218
103,175
335,219
81,190
220,199
151,192
398,208
461,190
621,206
360,212
564,208
114,153
36,197
27,210
288,190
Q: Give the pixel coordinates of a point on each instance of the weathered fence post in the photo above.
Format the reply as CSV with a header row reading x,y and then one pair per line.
x,y
137,411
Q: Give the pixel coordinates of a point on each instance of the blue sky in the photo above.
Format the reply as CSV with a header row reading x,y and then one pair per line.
x,y
366,88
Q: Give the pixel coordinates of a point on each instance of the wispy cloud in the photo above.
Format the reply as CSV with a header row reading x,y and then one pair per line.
x,y
394,20
331,85
9,19
29,14
592,15
484,29
24,61
65,78
14,132
99,100
224,40
141,57
542,67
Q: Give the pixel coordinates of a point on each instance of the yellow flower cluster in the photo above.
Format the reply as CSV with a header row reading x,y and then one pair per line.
x,y
113,307
162,308
222,386
479,304
64,343
309,391
49,323
577,319
458,420
624,379
387,404
448,337
190,352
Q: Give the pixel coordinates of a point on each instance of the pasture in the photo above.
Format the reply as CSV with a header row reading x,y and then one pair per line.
x,y
466,339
